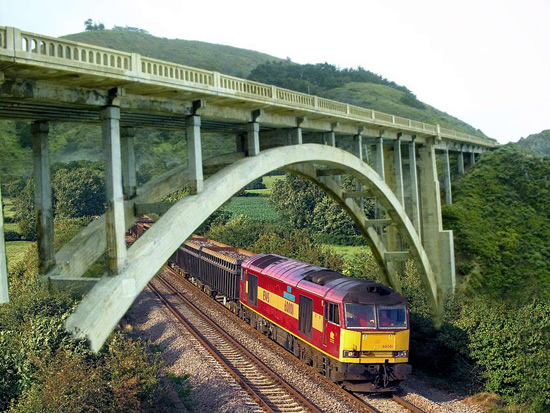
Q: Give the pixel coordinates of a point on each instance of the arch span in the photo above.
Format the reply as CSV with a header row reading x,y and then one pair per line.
x,y
110,298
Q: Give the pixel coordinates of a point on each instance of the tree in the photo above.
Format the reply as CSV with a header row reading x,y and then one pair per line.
x,y
90,25
78,190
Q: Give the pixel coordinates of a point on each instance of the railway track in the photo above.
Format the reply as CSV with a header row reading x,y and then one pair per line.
x,y
271,392
360,403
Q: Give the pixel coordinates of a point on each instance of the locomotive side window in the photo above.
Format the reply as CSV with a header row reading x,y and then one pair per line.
x,y
305,316
332,314
252,289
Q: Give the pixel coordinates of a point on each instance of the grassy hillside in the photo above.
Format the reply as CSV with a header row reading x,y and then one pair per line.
x,y
537,143
224,59
501,222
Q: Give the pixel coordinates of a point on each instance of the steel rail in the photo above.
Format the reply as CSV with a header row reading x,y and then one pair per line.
x,y
283,383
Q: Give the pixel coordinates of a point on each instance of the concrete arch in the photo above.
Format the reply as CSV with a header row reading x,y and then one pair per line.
x,y
110,298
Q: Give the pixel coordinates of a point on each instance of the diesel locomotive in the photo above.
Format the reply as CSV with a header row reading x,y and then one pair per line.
x,y
353,331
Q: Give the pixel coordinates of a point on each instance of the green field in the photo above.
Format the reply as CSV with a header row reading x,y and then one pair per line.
x,y
346,250
268,182
256,208
15,251
9,210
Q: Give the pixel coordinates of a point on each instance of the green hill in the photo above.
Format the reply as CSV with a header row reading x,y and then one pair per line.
x,y
537,143
225,59
501,222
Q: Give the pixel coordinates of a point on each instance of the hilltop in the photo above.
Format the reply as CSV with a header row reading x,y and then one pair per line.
x,y
225,59
537,143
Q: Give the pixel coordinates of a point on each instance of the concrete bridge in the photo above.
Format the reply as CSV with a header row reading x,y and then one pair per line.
x,y
392,159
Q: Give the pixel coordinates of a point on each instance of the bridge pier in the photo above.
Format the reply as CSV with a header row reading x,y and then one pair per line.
x,y
413,186
114,215
447,166
438,243
253,138
43,196
194,153
4,296
128,163
461,162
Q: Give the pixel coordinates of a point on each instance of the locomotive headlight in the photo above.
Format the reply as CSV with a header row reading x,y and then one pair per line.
x,y
404,353
351,354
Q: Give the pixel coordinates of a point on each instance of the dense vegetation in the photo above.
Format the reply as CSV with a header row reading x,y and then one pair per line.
x,y
43,368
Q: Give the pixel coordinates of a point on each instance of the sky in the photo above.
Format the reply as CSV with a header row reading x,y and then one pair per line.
x,y
486,62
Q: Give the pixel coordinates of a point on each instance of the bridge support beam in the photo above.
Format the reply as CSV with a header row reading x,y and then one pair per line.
x,y
194,153
359,153
128,162
378,164
43,196
438,244
398,171
461,162
413,185
253,138
4,296
296,136
114,216
472,158
448,190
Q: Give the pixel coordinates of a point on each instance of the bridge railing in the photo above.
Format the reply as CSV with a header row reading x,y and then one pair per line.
x,y
52,50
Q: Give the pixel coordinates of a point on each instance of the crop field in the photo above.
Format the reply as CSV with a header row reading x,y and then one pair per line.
x,y
268,182
255,207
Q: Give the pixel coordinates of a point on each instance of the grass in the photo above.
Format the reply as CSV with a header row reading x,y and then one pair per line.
x,y
9,210
346,251
256,208
268,182
15,251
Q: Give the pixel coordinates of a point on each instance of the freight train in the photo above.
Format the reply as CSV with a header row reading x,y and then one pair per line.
x,y
353,331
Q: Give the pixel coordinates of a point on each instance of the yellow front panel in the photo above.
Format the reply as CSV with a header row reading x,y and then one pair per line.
x,y
375,346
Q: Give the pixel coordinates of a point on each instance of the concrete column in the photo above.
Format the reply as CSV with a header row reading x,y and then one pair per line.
x,y
114,216
438,244
4,296
448,192
415,203
472,159
331,138
359,145
128,163
296,136
194,153
359,152
378,163
43,196
398,171
461,162
253,138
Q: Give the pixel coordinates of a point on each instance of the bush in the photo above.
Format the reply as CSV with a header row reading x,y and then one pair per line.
x,y
12,236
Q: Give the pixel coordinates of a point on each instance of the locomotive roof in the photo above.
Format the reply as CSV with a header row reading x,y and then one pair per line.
x,y
326,283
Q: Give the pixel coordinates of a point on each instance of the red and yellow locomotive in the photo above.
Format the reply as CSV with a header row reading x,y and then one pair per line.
x,y
353,331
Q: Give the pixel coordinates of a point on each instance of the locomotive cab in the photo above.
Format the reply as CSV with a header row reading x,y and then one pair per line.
x,y
375,338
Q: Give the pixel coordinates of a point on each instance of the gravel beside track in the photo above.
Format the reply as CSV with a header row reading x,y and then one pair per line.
x,y
215,391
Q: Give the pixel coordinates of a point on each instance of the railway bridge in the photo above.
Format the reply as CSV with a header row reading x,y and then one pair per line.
x,y
393,160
